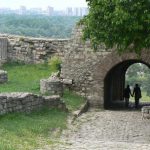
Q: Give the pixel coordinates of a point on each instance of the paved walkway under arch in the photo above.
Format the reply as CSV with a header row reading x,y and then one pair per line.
x,y
107,130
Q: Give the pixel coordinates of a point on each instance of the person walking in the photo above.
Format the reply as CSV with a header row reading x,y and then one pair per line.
x,y
137,95
126,95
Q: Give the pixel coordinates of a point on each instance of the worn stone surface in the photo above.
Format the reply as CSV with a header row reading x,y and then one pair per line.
x,y
51,86
26,102
145,112
89,69
33,50
106,130
3,49
3,76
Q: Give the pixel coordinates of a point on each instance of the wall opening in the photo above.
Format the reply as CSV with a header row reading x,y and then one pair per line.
x,y
115,82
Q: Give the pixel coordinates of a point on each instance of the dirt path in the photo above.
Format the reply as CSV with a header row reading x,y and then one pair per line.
x,y
107,130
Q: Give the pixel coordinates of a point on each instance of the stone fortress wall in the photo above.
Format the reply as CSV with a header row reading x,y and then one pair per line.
x,y
31,50
92,72
79,65
27,102
87,69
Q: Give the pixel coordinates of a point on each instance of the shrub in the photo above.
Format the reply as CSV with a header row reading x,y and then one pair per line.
x,y
55,63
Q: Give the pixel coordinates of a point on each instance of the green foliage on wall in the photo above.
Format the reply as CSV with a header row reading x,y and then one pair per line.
x,y
55,63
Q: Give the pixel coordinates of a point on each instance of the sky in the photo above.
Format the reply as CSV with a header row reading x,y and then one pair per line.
x,y
57,4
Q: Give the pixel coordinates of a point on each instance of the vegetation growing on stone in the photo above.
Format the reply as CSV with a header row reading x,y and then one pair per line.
x,y
24,78
55,63
21,131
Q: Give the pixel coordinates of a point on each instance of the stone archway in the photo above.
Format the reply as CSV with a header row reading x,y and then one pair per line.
x,y
92,72
114,82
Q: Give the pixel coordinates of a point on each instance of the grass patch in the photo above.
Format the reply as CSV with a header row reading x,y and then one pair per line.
x,y
24,78
26,132
19,131
72,100
144,98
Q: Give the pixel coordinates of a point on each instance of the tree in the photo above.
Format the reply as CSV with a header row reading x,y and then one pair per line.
x,y
38,25
139,73
124,24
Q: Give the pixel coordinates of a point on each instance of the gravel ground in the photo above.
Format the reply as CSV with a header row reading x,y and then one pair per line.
x,y
107,130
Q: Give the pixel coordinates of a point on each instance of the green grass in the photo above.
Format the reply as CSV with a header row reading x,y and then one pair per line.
x,y
72,100
144,98
24,78
19,131
27,132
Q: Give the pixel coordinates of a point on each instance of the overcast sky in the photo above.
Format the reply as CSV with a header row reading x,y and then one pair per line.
x,y
58,4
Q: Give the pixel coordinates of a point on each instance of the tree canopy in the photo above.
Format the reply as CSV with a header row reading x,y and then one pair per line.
x,y
38,25
139,73
124,24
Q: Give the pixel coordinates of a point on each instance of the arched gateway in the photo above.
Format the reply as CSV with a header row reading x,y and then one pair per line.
x,y
114,81
100,76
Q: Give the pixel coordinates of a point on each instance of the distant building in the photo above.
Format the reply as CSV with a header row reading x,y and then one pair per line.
x,y
5,10
83,11
22,10
69,11
76,11
50,10
80,11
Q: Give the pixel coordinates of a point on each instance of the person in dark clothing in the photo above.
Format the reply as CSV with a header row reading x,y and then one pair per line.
x,y
126,95
137,95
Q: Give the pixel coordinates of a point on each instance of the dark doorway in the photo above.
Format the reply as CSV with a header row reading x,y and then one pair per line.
x,y
114,84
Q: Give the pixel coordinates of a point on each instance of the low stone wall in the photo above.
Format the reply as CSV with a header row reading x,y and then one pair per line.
x,y
3,76
145,112
27,102
33,50
48,86
52,86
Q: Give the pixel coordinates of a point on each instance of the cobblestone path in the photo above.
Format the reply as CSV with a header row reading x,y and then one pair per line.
x,y
107,130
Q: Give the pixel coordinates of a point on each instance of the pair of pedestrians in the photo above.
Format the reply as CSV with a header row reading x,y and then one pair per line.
x,y
136,94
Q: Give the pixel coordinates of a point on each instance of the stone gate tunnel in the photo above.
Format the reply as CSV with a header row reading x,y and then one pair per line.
x,y
114,82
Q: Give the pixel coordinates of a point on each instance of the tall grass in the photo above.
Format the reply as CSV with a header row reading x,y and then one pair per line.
x,y
144,98
19,131
30,131
72,100
24,78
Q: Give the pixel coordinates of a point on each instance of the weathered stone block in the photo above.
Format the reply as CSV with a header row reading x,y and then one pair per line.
x,y
51,87
3,76
27,102
145,112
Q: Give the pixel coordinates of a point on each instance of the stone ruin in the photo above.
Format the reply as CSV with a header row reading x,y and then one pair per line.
x,y
52,85
3,76
145,112
27,102
99,76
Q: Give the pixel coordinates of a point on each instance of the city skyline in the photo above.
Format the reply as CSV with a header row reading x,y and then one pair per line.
x,y
57,4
